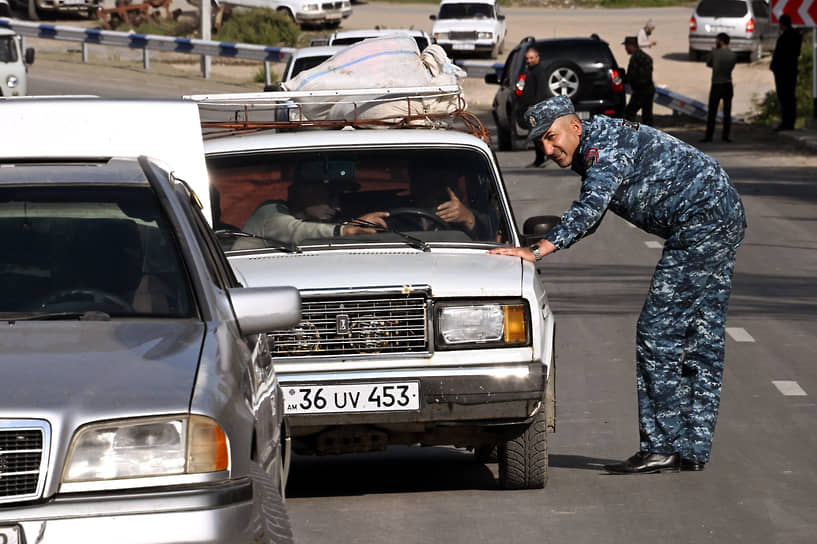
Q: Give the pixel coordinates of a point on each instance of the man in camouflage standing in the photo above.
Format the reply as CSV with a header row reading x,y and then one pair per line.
x,y
639,76
672,190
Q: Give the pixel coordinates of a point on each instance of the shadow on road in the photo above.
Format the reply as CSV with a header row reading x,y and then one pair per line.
x,y
397,470
579,462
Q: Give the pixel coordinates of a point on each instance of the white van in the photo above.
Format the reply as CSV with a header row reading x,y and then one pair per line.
x,y
13,64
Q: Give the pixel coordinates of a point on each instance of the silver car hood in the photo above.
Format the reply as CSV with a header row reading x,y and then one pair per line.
x,y
450,273
98,369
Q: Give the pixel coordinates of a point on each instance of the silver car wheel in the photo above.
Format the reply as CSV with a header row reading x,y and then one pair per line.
x,y
563,81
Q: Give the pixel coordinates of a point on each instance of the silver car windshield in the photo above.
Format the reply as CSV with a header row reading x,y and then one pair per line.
x,y
310,197
74,250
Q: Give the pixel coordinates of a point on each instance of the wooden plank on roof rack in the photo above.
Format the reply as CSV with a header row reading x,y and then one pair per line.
x,y
282,96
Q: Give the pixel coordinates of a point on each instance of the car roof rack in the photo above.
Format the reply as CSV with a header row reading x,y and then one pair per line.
x,y
441,106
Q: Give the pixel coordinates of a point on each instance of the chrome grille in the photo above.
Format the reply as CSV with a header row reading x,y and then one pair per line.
x,y
356,325
462,35
22,459
332,5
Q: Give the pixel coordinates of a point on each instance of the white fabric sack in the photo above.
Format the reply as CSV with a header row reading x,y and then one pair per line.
x,y
387,62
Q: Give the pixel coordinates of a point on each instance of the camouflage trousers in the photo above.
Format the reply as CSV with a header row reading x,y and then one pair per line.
x,y
681,334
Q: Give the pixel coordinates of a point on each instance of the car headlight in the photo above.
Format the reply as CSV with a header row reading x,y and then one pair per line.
x,y
11,81
498,324
146,447
310,7
485,35
441,35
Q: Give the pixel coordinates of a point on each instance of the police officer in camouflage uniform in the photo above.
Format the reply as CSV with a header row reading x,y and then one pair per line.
x,y
672,190
639,76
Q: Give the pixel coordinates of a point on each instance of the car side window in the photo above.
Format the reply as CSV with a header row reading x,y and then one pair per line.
x,y
216,260
506,73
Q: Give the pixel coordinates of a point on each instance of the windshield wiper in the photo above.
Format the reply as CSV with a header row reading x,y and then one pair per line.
x,y
414,242
91,315
271,243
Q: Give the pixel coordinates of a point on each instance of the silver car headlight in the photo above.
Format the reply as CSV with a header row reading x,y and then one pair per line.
x,y
495,324
310,7
441,35
485,35
140,448
11,81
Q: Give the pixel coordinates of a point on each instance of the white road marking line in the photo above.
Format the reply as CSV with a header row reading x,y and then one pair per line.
x,y
739,334
652,244
789,388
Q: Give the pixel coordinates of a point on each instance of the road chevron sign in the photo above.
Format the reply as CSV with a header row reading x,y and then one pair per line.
x,y
802,12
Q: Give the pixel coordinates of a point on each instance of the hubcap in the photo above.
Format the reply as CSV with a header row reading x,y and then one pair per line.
x,y
563,81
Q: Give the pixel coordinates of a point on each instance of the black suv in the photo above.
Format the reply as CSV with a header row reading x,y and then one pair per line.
x,y
582,68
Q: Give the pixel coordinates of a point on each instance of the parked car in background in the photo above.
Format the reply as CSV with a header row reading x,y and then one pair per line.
x,y
469,27
306,58
13,64
410,333
87,7
139,400
747,22
304,12
5,9
583,69
348,37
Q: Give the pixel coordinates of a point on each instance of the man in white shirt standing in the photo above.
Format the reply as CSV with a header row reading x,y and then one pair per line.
x,y
644,39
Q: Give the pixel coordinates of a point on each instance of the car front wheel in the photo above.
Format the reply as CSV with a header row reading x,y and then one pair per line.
x,y
523,460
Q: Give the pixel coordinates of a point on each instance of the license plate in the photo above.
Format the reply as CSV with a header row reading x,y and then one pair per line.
x,y
9,535
463,46
584,115
362,397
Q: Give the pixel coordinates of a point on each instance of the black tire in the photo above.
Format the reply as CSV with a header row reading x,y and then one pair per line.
x,y
274,518
287,13
563,78
523,460
503,138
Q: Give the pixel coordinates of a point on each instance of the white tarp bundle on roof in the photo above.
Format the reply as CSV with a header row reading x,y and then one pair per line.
x,y
387,62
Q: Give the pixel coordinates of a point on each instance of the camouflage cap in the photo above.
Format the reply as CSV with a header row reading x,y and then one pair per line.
x,y
540,116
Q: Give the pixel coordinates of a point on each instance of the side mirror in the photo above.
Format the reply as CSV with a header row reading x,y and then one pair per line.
x,y
500,17
29,55
264,309
535,228
433,17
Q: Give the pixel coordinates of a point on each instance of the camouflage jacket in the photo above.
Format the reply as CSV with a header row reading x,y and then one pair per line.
x,y
653,180
639,72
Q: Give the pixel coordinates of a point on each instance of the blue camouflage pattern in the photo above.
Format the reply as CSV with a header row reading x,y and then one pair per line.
x,y
672,190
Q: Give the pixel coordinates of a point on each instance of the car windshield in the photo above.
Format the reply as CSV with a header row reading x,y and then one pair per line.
x,y
8,50
722,8
88,249
466,11
293,199
305,63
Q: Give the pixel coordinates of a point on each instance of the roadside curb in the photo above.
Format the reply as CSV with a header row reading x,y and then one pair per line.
x,y
805,138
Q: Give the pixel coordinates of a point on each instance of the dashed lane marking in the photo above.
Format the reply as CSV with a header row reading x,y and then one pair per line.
x,y
652,244
739,334
789,388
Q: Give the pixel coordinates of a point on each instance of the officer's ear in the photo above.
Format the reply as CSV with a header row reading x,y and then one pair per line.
x,y
576,125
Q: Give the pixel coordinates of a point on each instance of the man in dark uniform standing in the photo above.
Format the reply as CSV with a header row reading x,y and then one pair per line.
x,y
722,61
784,65
639,76
672,190
535,91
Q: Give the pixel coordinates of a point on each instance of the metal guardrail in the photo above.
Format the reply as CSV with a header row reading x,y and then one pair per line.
x,y
150,42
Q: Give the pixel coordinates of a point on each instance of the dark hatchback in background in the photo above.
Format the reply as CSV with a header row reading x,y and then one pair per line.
x,y
583,69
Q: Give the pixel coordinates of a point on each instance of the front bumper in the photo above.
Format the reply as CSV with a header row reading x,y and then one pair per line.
x,y
223,512
485,395
459,47
322,16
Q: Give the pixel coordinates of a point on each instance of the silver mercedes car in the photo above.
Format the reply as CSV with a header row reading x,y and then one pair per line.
x,y
138,402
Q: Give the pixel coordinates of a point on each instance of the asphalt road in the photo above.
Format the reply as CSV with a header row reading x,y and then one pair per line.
x,y
761,482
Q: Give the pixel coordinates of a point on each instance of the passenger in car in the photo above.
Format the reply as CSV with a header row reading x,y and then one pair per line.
x,y
312,210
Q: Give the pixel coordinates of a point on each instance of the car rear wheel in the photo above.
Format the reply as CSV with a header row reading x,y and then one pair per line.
x,y
694,55
563,79
523,460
